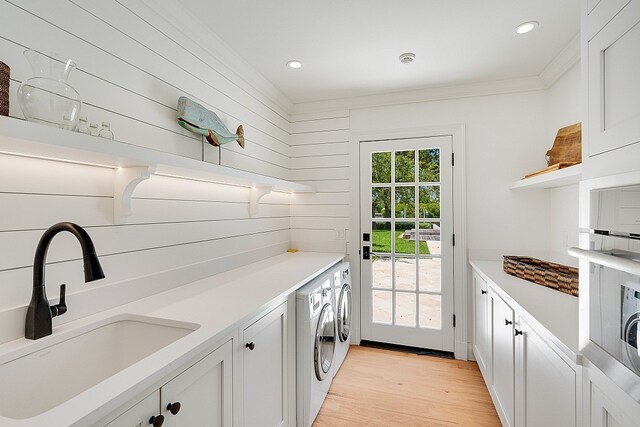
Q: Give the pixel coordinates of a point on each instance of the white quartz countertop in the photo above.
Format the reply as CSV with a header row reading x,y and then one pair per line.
x,y
552,313
217,304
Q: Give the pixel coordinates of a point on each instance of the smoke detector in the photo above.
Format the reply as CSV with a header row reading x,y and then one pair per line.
x,y
407,58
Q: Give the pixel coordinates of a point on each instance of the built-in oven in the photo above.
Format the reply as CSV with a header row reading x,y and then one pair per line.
x,y
610,292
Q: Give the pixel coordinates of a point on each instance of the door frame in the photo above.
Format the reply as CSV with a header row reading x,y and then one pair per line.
x,y
460,265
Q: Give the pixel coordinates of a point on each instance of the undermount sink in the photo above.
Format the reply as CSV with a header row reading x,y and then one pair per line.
x,y
34,383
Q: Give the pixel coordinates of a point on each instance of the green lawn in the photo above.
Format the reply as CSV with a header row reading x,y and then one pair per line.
x,y
382,243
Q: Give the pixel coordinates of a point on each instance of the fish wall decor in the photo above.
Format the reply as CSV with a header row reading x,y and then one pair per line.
x,y
197,119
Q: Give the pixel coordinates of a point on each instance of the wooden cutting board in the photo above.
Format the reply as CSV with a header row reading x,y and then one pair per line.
x,y
551,168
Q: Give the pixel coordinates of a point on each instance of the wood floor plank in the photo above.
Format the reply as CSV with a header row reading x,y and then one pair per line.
x,y
383,388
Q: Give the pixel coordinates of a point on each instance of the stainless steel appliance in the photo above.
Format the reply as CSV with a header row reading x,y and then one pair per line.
x,y
610,295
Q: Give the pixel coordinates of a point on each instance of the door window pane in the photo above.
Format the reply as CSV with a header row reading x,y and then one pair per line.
x,y
405,166
381,267
405,202
430,311
381,202
429,274
429,165
381,168
381,237
430,238
429,201
405,309
405,237
405,273
382,301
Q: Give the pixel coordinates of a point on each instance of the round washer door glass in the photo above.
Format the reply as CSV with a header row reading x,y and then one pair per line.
x,y
344,313
325,342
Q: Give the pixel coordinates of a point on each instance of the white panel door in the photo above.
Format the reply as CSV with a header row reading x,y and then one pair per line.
x,y
407,228
203,393
503,359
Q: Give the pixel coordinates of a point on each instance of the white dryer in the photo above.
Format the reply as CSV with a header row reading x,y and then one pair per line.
x,y
316,339
341,281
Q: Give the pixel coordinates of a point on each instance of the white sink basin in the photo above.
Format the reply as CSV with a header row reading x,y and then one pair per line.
x,y
75,361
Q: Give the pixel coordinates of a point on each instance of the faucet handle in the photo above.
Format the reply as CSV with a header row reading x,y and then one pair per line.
x,y
60,308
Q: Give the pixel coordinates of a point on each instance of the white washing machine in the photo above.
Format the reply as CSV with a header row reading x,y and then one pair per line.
x,y
316,339
341,281
630,326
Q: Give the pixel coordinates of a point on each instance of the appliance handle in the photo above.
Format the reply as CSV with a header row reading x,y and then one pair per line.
x,y
618,263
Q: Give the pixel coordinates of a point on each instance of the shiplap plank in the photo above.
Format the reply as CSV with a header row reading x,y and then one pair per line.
x,y
327,184
129,238
304,117
320,210
335,198
320,223
16,284
336,148
321,173
320,137
320,125
238,160
326,161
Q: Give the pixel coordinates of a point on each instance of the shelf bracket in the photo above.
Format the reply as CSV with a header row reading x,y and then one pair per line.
x,y
257,193
126,180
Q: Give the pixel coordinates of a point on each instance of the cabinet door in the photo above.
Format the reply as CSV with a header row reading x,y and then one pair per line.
x,y
264,362
481,327
140,414
598,13
503,359
546,384
604,413
204,392
613,83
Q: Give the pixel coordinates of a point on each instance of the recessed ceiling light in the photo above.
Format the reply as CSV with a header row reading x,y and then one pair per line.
x,y
526,27
407,58
294,64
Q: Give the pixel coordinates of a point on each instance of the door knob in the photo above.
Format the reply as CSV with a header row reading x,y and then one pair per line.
x,y
156,421
482,292
250,345
518,332
507,322
174,408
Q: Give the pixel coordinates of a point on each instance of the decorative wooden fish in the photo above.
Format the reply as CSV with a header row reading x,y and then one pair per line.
x,y
197,119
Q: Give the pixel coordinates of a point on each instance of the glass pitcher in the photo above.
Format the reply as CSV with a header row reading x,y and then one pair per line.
x,y
46,97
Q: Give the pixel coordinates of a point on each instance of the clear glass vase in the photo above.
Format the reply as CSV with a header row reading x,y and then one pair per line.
x,y
47,97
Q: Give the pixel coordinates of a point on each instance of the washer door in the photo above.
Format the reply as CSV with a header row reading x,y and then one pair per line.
x,y
325,342
630,336
344,313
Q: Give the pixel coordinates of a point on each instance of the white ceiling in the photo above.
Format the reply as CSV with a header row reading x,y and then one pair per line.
x,y
350,48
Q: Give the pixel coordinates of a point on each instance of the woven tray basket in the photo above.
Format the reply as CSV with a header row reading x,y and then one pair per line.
x,y
557,276
4,89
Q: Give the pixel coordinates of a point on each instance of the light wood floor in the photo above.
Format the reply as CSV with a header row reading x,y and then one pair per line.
x,y
388,388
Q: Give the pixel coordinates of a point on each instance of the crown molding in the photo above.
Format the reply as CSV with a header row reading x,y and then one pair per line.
x,y
470,90
235,68
563,62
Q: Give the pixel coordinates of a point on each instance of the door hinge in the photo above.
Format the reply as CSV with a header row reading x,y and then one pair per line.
x,y
454,320
453,159
454,239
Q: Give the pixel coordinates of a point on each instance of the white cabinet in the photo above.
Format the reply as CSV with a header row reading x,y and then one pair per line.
x,y
199,396
613,84
546,384
264,362
597,13
503,359
481,327
606,405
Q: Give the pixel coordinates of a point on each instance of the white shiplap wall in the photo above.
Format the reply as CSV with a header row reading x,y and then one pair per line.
x,y
320,156
132,67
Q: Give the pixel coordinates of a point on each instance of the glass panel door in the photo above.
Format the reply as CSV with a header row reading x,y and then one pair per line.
x,y
407,211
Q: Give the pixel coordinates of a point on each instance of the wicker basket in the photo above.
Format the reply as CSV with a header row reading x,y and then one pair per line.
x,y
557,276
4,89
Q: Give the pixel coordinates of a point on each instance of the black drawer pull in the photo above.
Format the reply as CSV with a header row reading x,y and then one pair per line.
x,y
250,345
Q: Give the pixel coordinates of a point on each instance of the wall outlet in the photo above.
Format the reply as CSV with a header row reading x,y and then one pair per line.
x,y
339,234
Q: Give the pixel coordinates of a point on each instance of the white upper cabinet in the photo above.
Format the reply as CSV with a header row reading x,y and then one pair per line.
x,y
598,13
613,84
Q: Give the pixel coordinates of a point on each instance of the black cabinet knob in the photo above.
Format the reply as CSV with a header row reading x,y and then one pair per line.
x,y
482,292
156,421
507,322
174,408
518,332
250,345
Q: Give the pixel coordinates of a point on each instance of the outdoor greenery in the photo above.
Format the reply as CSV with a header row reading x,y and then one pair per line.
x,y
381,240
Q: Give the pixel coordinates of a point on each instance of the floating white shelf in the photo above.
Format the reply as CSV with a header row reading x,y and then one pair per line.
x,y
135,164
559,178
